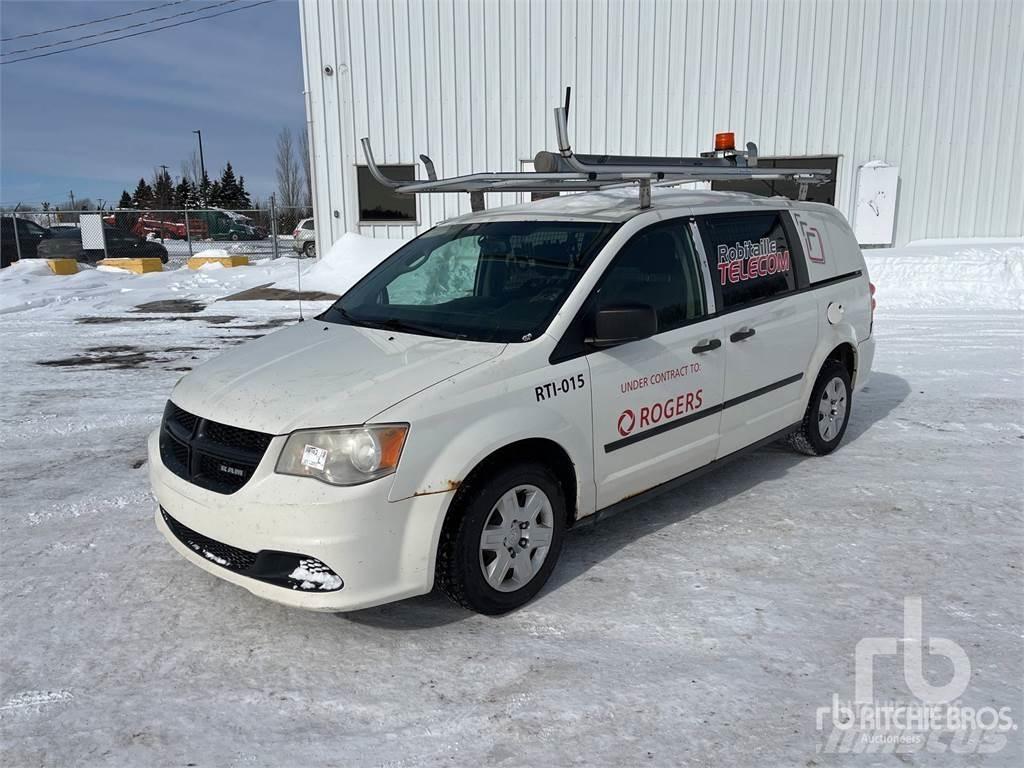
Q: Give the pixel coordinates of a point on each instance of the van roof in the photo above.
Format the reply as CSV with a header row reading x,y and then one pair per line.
x,y
618,205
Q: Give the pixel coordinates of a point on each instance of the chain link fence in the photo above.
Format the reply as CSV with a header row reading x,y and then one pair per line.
x,y
171,235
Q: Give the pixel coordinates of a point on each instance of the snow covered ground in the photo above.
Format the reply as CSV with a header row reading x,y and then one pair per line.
x,y
704,628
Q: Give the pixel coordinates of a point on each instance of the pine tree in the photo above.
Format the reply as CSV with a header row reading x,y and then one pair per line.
x,y
184,194
163,190
216,195
125,201
244,203
143,197
229,191
203,193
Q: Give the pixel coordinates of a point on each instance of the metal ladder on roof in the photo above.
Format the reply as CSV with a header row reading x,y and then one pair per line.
x,y
566,171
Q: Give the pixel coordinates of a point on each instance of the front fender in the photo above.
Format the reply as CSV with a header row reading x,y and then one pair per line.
x,y
454,456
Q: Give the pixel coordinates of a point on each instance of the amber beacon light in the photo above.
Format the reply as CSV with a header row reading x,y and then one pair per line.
x,y
724,141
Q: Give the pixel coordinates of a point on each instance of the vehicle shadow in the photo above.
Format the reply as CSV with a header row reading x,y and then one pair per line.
x,y
588,545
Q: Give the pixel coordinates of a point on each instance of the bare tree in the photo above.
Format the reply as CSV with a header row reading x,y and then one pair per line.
x,y
307,177
190,168
289,180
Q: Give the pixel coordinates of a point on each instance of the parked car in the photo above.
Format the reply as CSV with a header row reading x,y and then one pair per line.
x,y
30,235
305,239
503,376
67,244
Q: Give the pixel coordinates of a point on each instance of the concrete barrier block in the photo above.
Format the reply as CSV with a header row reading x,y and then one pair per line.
x,y
63,266
228,261
138,266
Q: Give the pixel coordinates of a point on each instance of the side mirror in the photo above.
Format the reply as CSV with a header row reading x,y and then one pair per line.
x,y
617,325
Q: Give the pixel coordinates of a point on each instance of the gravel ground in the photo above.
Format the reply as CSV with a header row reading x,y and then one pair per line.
x,y
703,628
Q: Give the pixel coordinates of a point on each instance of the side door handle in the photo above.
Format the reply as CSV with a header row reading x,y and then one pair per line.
x,y
707,346
741,334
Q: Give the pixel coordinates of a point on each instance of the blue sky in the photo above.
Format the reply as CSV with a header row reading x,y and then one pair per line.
x,y
97,119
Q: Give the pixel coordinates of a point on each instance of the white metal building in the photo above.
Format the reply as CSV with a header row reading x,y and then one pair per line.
x,y
932,87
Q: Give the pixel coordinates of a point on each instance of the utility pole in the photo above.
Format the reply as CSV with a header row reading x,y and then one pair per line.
x,y
72,193
202,163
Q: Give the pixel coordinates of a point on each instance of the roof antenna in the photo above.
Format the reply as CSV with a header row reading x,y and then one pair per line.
x,y
298,277
568,99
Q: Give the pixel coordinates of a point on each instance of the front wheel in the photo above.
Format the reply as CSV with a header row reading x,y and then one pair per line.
x,y
827,413
502,539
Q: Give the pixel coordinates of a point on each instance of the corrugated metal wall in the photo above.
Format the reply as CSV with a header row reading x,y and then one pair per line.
x,y
933,86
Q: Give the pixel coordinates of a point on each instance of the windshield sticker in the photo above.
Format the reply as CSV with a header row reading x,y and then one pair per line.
x,y
314,457
661,411
563,387
747,260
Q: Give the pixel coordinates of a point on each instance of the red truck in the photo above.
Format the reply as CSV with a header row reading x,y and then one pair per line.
x,y
166,226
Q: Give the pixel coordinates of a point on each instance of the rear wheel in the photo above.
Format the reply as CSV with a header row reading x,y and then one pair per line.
x,y
502,539
827,413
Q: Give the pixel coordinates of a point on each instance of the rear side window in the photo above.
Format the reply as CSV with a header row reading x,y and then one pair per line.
x,y
657,267
751,257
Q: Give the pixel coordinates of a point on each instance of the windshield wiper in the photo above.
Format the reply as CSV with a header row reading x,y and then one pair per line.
x,y
394,324
402,326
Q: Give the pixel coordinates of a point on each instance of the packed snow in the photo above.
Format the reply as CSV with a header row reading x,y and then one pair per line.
x,y
705,627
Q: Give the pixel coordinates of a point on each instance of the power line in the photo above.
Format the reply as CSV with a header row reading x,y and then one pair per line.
x,y
87,23
119,29
136,34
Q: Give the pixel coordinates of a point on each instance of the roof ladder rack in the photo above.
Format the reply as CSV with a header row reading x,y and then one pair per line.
x,y
566,171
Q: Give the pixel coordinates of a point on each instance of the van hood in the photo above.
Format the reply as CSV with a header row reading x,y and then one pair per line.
x,y
317,374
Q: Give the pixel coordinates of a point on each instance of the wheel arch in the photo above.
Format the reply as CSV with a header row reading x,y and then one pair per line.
x,y
533,449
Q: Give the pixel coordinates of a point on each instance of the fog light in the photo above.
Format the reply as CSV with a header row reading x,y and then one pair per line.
x,y
313,576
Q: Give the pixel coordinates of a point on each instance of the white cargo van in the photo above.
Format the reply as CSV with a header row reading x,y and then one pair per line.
x,y
504,376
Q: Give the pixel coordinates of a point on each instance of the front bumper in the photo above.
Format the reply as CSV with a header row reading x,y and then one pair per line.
x,y
382,550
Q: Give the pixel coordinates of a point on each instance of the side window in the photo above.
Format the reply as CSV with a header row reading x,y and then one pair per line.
x,y
657,267
751,257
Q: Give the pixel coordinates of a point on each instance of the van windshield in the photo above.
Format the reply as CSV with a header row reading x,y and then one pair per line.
x,y
490,281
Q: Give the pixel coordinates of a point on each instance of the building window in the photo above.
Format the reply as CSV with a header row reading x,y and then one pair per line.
x,y
379,204
816,193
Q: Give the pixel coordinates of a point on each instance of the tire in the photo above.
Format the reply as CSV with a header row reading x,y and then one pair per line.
x,y
494,502
234,236
309,250
827,414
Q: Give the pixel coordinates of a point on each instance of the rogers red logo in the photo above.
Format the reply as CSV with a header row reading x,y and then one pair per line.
x,y
627,420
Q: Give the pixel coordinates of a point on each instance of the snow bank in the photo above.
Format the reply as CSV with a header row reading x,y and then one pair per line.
x,y
29,284
351,257
947,274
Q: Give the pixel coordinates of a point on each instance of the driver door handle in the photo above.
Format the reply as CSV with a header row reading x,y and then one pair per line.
x,y
741,334
707,346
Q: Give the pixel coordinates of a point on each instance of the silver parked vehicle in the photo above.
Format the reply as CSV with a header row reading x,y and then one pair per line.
x,y
305,239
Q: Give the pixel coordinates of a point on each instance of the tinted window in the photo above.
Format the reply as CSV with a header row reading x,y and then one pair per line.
x,y
495,281
750,257
657,267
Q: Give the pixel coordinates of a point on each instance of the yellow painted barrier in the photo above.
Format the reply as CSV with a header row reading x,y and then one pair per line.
x,y
228,261
138,266
63,266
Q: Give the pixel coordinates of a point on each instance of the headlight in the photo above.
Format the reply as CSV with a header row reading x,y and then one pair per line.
x,y
343,456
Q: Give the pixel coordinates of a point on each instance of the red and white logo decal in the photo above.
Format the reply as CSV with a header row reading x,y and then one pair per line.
x,y
627,420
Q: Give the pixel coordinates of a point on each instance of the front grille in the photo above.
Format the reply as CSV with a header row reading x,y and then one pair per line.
x,y
215,456
232,558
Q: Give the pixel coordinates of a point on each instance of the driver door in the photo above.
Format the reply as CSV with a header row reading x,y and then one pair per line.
x,y
657,401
